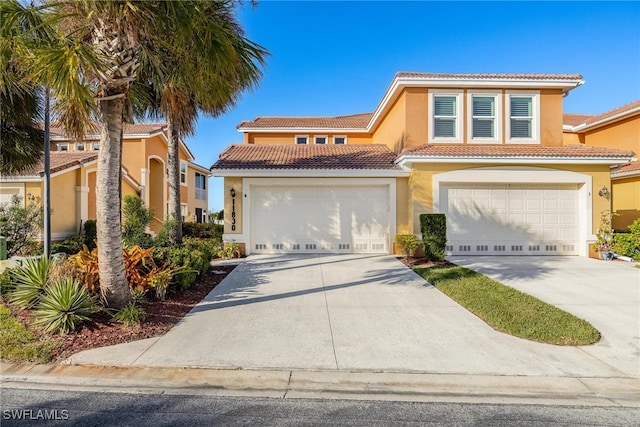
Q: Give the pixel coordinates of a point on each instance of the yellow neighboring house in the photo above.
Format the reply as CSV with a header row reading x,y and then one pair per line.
x,y
73,178
487,150
618,128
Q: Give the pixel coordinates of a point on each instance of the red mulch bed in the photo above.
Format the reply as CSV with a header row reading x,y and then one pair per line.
x,y
160,316
413,262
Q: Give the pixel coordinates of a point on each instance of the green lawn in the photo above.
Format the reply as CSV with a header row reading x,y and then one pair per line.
x,y
18,344
508,310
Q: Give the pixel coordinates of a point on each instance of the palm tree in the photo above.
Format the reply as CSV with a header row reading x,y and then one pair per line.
x,y
210,83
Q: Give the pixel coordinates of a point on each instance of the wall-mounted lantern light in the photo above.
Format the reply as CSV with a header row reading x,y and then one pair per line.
x,y
233,192
604,192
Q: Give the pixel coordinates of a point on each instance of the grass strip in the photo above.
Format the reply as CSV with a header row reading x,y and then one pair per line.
x,y
509,310
19,344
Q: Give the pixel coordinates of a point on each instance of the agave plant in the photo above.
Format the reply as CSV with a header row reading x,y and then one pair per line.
x,y
65,306
30,282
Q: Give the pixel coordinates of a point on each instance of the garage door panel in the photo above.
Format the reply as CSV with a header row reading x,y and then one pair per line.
x,y
315,219
537,219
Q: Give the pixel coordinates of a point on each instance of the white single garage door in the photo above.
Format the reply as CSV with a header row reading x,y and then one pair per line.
x,y
316,219
511,219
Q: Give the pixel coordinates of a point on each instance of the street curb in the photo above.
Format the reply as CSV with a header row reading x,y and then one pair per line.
x,y
357,385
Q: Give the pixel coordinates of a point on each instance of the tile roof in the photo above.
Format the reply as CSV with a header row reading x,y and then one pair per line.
x,y
571,119
632,168
60,160
138,128
614,112
249,156
353,121
492,76
466,150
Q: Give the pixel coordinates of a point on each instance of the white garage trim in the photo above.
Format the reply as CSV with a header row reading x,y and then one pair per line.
x,y
527,175
248,183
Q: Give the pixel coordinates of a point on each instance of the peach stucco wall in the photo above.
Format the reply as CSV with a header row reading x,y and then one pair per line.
x,y
236,184
625,201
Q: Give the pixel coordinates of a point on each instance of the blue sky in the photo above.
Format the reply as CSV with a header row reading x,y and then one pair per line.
x,y
333,57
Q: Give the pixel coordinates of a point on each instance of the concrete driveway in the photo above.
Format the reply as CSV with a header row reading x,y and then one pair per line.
x,y
357,312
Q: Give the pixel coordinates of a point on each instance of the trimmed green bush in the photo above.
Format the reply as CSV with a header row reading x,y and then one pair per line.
x,y
137,218
70,246
408,244
434,235
628,243
202,230
6,283
65,305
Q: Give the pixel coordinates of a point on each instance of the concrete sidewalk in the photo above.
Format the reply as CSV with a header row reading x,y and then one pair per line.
x,y
346,313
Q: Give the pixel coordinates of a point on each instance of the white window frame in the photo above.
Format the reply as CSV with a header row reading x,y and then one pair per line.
x,y
63,144
326,139
78,145
340,136
183,211
186,173
535,120
95,146
497,121
306,138
433,93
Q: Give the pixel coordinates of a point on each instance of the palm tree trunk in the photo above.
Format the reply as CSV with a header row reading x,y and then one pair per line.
x,y
173,178
113,279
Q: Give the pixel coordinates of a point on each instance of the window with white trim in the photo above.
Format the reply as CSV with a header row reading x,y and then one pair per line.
x,y
340,140
523,117
201,186
183,173
96,146
484,117
445,119
302,139
80,146
63,147
321,140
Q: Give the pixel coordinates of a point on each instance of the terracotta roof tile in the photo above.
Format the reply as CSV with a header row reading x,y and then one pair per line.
x,y
60,160
138,128
492,76
466,150
353,121
571,119
613,112
246,156
632,168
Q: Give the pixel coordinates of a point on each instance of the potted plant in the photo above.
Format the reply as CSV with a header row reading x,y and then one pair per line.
x,y
604,236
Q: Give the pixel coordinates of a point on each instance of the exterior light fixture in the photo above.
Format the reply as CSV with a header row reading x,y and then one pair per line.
x,y
604,192
233,192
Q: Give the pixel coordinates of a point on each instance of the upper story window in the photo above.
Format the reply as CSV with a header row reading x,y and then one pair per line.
x,y
80,146
302,139
183,173
523,112
340,140
63,146
201,186
445,122
96,146
320,140
484,117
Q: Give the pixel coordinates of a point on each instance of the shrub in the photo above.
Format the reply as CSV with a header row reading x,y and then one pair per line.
x,y
129,315
191,262
30,282
65,305
434,235
167,233
71,245
90,233
21,226
229,250
87,270
6,283
137,218
408,244
628,244
202,230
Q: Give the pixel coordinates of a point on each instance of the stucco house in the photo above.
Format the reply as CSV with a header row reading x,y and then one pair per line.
x,y
618,128
487,150
73,178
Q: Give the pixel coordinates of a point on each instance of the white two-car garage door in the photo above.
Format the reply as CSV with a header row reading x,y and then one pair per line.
x,y
316,219
511,219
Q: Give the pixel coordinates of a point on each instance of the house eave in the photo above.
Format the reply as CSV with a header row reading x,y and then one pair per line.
x,y
302,130
306,173
407,160
604,121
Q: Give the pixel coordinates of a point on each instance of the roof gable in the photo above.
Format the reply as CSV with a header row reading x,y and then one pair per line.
x,y
578,122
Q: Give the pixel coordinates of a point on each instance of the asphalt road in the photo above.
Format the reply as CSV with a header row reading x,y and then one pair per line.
x,y
22,407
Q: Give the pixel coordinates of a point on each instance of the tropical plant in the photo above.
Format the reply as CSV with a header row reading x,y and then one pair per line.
x,y
137,218
71,245
129,315
604,235
30,282
65,305
628,244
87,268
21,225
166,235
229,250
6,283
90,233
